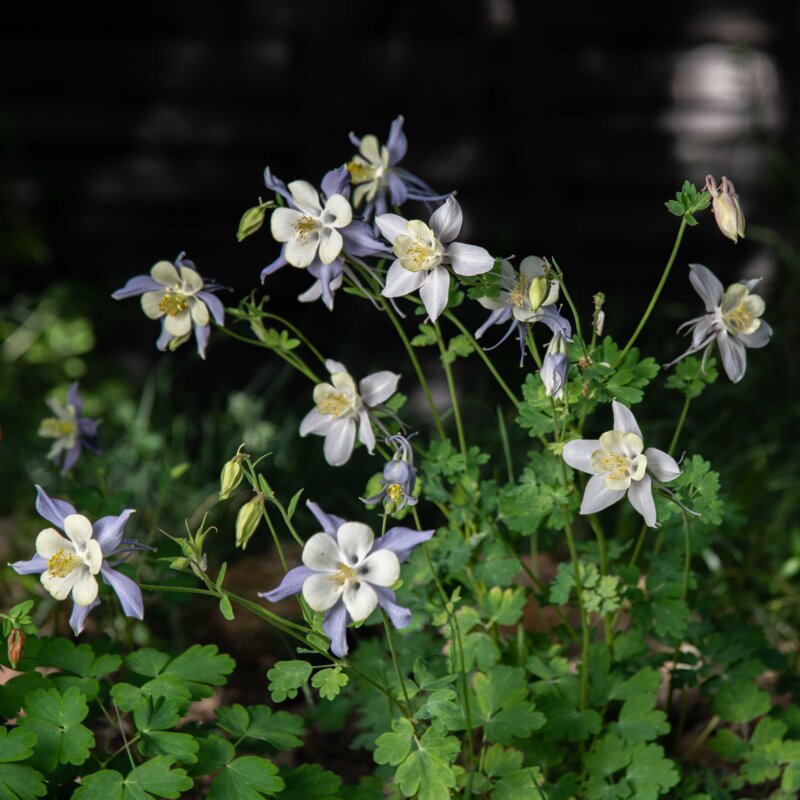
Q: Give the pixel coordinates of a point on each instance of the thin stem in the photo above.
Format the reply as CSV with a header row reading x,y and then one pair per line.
x,y
687,556
608,625
572,308
701,738
534,350
297,332
679,426
399,674
482,353
656,294
126,745
501,423
462,442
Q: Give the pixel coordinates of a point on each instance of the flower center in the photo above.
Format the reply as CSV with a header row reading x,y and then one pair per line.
x,y
62,563
305,226
616,466
395,492
173,303
361,172
740,318
519,294
54,428
343,574
334,404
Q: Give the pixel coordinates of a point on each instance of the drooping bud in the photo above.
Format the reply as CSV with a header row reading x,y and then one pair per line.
x,y
230,477
554,368
247,520
16,644
726,208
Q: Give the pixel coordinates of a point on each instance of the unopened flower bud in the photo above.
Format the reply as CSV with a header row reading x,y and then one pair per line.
x,y
251,221
599,322
554,368
179,563
726,208
16,644
539,291
230,478
247,520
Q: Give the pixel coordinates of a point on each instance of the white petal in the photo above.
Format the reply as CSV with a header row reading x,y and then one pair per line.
x,y
355,540
314,422
320,592
334,366
360,600
179,325
94,556
370,148
493,303
150,302
337,212
707,285
301,252
446,220
597,496
305,197
663,466
435,291
282,223
339,441
192,282
734,356
381,568
165,273
378,387
578,454
624,421
532,267
400,281
78,529
330,245
391,226
199,311
59,587
321,553
365,433
641,496
84,592
468,259
50,541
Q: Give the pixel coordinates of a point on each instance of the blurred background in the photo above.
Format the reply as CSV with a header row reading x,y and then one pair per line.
x,y
563,127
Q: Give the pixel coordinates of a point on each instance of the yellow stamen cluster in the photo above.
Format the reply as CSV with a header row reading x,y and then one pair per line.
x,y
334,404
343,574
62,563
418,254
173,303
305,226
519,294
395,492
54,428
615,465
361,172
741,317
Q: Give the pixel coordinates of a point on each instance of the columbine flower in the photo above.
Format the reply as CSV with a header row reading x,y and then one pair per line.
x,y
617,465
733,322
319,241
340,404
399,477
70,429
554,367
69,564
726,208
180,298
514,303
375,174
423,250
347,573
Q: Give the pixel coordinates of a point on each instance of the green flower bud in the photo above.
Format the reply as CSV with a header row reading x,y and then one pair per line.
x,y
230,478
537,294
251,221
247,520
179,563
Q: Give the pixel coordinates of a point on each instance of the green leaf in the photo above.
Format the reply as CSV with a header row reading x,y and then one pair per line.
x,y
293,503
504,606
426,770
690,379
280,728
18,780
286,677
458,347
77,659
311,781
607,756
740,701
225,607
154,778
639,721
246,778
393,748
699,485
12,694
426,336
153,720
55,719
564,721
650,773
518,784
147,661
212,753
499,761
330,682
127,696
728,745
505,715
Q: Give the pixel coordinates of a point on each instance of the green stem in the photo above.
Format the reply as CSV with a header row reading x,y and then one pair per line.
x,y
297,332
701,738
608,625
656,294
462,442
399,674
679,426
687,556
534,350
572,308
506,444
486,360
126,744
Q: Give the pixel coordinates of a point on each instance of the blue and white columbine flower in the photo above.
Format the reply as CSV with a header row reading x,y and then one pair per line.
x,y
340,405
375,175
619,464
398,479
423,251
513,303
70,429
178,296
348,573
733,321
69,563
317,231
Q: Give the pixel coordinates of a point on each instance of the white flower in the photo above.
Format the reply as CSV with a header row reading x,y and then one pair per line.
x,y
309,227
733,322
346,568
618,464
369,170
340,405
423,250
72,562
515,289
